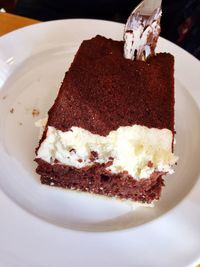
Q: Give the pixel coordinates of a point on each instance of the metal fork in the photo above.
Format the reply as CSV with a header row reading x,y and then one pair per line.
x,y
142,30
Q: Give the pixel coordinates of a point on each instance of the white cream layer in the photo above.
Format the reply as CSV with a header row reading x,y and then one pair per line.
x,y
136,149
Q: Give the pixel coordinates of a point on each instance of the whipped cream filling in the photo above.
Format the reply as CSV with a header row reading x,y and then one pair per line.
x,y
134,150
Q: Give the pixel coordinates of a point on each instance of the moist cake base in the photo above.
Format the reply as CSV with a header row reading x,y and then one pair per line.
x,y
98,181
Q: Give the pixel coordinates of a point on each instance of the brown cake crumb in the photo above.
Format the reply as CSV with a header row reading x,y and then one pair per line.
x,y
93,155
35,112
12,110
150,164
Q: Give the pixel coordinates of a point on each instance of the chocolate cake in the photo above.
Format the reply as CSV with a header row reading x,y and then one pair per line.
x,y
111,128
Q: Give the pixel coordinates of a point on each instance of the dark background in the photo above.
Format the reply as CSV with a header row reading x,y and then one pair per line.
x,y
180,20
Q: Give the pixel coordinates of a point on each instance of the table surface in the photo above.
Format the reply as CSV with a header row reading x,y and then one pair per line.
x,y
10,22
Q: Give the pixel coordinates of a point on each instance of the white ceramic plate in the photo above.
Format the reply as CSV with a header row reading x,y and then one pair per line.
x,y
77,229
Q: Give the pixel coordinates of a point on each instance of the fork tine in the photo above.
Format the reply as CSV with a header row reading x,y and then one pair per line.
x,y
141,32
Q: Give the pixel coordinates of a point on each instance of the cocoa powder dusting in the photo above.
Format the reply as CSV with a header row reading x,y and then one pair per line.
x,y
103,91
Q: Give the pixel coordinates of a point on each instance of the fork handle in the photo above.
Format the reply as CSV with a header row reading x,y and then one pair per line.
x,y
150,5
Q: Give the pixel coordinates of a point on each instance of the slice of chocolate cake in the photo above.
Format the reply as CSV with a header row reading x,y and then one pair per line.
x,y
111,128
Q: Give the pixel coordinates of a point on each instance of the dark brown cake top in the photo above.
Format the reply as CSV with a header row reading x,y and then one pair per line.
x,y
103,91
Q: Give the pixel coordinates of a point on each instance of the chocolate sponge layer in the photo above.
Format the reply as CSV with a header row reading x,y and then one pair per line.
x,y
102,90
98,181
